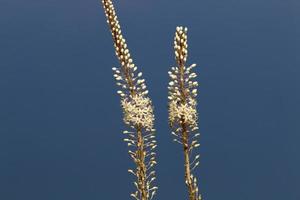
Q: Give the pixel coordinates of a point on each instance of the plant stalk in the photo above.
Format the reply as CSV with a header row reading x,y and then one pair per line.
x,y
141,167
188,180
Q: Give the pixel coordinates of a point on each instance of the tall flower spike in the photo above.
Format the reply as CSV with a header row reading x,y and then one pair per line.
x,y
183,114
138,111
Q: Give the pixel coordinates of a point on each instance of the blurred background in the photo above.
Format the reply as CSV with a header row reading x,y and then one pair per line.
x,y
60,118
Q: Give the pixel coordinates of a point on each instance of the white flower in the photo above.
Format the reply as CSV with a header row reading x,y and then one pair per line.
x,y
138,111
183,113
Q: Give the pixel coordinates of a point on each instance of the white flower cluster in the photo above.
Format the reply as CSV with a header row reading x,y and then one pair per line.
x,y
121,49
138,111
130,85
180,45
182,87
135,104
126,72
183,113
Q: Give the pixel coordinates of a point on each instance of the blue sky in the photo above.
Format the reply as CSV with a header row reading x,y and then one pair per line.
x,y
60,119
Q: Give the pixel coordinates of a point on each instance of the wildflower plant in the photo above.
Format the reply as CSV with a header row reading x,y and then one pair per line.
x,y
182,109
137,109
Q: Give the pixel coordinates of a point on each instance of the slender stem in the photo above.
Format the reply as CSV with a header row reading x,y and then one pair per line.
x,y
141,168
189,182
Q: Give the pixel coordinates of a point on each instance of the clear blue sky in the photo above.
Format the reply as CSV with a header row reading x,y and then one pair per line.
x,y
60,119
